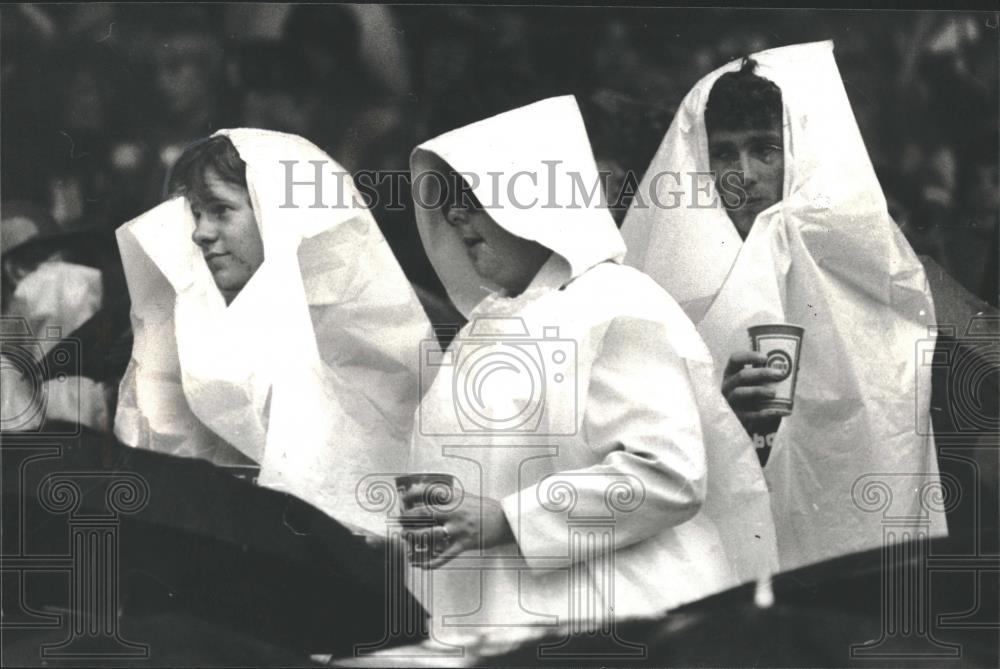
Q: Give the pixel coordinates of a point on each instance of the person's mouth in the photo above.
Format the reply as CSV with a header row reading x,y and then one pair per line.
x,y
214,256
761,202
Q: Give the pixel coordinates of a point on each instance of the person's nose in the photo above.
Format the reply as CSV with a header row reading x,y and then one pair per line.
x,y
205,231
456,218
749,169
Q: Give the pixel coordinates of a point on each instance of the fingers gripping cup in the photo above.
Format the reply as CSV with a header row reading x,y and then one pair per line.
x,y
782,344
422,495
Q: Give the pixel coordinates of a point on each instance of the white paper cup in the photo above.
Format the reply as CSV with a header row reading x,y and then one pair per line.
x,y
437,490
782,344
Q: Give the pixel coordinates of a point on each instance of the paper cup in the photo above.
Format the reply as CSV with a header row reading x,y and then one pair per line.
x,y
438,491
438,488
782,344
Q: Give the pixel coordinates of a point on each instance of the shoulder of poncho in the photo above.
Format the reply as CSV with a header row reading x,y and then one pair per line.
x,y
630,294
632,289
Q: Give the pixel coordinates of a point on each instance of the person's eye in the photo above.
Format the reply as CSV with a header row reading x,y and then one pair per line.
x,y
769,152
221,210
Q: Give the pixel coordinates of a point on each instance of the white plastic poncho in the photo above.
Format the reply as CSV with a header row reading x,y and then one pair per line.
x,y
311,371
854,457
589,398
61,295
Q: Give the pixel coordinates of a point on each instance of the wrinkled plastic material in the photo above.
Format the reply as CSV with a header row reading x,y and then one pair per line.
x,y
311,371
623,424
854,466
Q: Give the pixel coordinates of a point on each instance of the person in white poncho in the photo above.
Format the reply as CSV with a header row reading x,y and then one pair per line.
x,y
577,391
798,232
269,331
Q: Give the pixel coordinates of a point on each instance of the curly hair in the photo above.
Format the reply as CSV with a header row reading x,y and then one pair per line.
x,y
743,100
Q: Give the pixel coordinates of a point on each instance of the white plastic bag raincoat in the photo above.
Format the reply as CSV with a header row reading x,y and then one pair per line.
x,y
855,457
311,371
589,398
63,295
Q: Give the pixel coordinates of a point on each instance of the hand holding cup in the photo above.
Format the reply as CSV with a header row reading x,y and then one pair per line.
x,y
746,385
760,384
442,524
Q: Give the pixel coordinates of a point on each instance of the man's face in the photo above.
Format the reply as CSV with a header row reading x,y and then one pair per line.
x,y
498,256
226,231
182,76
749,167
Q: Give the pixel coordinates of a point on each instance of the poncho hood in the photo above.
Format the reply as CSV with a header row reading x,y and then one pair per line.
x,y
829,258
690,248
604,380
311,370
534,172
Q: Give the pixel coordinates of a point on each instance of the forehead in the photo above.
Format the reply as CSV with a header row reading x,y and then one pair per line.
x,y
745,136
212,188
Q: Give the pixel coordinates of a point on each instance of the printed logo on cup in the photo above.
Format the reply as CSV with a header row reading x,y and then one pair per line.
x,y
779,361
783,344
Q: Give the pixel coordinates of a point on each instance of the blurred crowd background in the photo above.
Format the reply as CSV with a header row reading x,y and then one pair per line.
x,y
99,99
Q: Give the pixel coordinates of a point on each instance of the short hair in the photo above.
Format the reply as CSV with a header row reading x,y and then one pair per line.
x,y
216,153
743,100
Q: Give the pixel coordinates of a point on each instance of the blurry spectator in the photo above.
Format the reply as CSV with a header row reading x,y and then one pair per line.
x,y
624,134
84,136
25,31
353,111
100,98
946,108
272,84
181,94
971,254
189,79
52,283
353,117
479,63
382,49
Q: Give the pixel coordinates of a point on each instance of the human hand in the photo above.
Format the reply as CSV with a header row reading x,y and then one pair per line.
x,y
477,523
746,388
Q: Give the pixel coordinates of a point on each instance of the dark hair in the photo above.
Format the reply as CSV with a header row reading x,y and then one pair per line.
x,y
213,153
335,31
743,100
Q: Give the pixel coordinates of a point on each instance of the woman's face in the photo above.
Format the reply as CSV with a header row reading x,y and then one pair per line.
x,y
226,231
498,256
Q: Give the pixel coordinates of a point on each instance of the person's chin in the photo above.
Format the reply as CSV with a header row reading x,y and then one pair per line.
x,y
485,269
742,220
227,284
